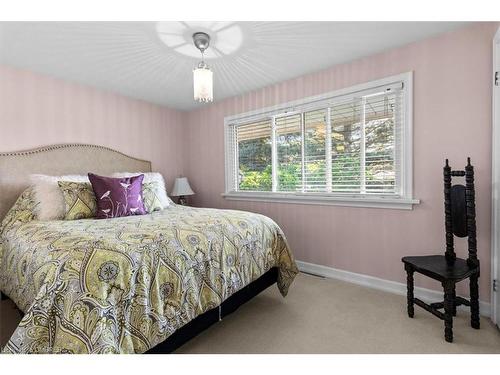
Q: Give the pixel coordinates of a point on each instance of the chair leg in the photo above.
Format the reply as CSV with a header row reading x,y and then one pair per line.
x,y
454,296
449,302
474,301
409,290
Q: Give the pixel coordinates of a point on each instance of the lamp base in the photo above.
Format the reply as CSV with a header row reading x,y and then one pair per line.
x,y
183,200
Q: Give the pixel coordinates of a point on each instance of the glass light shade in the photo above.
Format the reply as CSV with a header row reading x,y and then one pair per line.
x,y
203,84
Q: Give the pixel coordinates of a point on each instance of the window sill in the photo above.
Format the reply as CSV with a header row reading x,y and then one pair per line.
x,y
325,200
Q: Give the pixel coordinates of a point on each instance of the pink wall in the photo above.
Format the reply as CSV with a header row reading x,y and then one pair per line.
x,y
452,118
37,110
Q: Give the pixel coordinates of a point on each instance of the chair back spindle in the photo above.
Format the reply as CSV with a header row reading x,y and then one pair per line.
x,y
470,198
450,251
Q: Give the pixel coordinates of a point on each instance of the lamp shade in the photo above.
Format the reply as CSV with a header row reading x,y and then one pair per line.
x,y
203,83
181,187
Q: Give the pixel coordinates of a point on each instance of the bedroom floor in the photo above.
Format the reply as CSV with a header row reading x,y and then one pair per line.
x,y
325,316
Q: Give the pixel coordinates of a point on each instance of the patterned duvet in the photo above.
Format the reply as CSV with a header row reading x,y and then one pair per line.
x,y
124,285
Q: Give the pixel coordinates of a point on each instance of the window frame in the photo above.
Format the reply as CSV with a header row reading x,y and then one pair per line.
x,y
403,201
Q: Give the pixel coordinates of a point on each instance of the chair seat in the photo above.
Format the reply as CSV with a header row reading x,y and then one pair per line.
x,y
436,267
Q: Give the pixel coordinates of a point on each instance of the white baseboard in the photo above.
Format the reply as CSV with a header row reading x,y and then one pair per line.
x,y
381,284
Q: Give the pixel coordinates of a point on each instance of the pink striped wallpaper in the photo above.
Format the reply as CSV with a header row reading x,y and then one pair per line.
x,y
452,118
37,110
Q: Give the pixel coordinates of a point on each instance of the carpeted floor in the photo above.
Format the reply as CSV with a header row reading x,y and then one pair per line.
x,y
326,316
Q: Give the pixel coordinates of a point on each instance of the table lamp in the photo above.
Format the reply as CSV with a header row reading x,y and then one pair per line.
x,y
182,189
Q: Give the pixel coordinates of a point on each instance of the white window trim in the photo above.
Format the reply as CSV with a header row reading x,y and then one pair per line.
x,y
404,202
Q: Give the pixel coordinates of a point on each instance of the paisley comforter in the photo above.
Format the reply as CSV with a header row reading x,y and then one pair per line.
x,y
124,285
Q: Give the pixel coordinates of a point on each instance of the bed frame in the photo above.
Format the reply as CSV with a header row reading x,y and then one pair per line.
x,y
15,168
205,320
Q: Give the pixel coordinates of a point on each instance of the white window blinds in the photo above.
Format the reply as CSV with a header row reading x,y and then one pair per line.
x,y
289,152
346,146
317,168
351,145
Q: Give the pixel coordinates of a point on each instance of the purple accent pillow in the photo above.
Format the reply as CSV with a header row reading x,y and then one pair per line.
x,y
117,197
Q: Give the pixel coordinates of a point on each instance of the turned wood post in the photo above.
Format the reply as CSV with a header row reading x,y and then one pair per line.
x,y
474,301
449,303
470,208
409,290
454,296
450,252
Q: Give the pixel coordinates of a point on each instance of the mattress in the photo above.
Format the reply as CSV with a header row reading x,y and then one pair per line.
x,y
125,285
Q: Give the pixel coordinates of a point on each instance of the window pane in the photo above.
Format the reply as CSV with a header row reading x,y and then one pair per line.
x,y
379,141
254,156
315,153
289,153
346,137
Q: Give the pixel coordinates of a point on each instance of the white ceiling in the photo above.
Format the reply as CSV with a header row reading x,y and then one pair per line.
x,y
153,61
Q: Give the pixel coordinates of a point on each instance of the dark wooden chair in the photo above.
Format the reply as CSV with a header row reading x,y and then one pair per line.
x,y
460,221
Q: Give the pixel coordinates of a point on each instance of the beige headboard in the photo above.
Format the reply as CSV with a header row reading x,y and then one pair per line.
x,y
15,167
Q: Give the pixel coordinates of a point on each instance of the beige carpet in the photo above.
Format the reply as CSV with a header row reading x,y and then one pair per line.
x,y
326,316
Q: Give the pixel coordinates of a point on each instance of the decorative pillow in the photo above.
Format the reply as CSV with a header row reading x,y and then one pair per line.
x,y
152,201
117,197
158,190
79,198
49,198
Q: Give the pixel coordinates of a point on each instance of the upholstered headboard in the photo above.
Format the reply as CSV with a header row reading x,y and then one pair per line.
x,y
15,167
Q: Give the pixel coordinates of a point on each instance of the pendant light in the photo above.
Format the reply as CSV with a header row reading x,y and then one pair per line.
x,y
202,75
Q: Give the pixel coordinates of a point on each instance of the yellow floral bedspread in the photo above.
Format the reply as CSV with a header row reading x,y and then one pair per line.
x,y
124,285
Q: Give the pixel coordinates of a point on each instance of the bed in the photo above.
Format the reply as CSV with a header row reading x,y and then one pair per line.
x,y
138,284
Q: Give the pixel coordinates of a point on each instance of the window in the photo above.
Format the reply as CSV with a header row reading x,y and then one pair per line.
x,y
351,147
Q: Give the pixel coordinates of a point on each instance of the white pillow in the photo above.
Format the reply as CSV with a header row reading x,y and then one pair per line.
x,y
161,193
50,199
